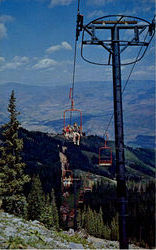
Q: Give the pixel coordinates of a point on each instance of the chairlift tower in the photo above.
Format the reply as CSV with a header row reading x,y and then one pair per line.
x,y
142,33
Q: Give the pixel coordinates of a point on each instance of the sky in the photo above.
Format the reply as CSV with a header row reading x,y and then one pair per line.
x,y
37,40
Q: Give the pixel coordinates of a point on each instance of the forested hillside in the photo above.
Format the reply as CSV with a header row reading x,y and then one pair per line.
x,y
41,153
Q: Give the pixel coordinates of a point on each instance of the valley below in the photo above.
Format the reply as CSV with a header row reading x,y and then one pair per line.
x,y
41,108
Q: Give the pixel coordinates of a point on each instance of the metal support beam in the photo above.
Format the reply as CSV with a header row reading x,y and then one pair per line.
x,y
75,204
115,22
113,46
123,27
119,139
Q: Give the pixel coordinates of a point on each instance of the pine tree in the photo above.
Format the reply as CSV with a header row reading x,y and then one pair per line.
x,y
54,211
79,219
114,228
49,213
106,234
12,176
46,215
91,222
100,224
36,199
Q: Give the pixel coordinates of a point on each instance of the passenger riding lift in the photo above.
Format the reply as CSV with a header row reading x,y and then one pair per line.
x,y
67,178
69,113
105,154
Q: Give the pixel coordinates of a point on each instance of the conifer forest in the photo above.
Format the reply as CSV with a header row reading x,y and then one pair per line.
x,y
77,124
31,183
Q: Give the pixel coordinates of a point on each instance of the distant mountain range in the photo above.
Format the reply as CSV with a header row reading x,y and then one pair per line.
x,y
42,108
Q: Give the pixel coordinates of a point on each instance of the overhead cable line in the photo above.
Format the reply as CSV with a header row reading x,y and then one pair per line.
x,y
107,44
75,55
131,71
113,46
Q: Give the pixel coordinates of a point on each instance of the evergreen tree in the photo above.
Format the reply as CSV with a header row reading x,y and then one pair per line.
x,y
88,221
91,222
99,224
106,234
79,219
49,213
114,228
54,211
36,199
12,176
46,215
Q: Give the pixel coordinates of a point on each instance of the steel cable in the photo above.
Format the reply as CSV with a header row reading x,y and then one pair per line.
x,y
111,118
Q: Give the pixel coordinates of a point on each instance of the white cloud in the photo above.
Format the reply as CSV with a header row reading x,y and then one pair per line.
x,y
66,62
6,18
53,48
96,14
128,60
45,63
54,3
63,45
2,59
11,65
21,59
129,12
15,63
3,31
66,45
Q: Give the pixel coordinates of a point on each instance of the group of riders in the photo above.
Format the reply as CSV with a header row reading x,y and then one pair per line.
x,y
73,132
67,181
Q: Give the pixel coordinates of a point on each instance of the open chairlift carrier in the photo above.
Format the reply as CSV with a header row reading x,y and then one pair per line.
x,y
81,197
68,112
105,155
68,174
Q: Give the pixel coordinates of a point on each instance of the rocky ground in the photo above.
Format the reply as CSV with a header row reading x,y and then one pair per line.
x,y
17,233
